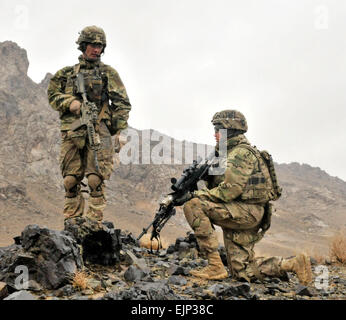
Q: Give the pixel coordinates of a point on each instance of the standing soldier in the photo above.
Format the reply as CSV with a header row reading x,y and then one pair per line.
x,y
239,202
105,89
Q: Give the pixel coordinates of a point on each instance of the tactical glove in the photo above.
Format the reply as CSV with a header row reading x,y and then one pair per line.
x,y
185,198
75,107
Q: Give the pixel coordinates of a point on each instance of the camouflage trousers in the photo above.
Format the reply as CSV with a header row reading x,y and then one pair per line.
x,y
240,224
77,160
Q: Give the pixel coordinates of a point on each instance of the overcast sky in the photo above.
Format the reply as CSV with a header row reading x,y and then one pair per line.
x,y
281,62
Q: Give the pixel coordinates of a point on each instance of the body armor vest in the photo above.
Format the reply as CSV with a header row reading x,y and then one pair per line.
x,y
262,185
95,85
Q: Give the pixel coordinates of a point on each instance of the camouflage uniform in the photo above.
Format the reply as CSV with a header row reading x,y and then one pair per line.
x,y
227,202
105,88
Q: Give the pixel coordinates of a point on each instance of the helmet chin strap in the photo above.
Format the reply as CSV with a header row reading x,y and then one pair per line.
x,y
231,133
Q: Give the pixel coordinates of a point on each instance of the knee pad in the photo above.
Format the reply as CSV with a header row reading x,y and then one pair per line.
x,y
71,186
95,185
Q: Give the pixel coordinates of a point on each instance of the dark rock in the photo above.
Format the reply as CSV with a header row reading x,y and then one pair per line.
x,y
223,255
171,249
111,296
101,245
162,253
183,246
21,295
34,286
79,297
156,290
226,290
190,264
191,238
139,263
162,264
243,289
177,243
303,291
216,289
128,239
176,270
137,251
133,273
177,280
274,280
108,224
274,287
50,257
144,291
67,291
17,240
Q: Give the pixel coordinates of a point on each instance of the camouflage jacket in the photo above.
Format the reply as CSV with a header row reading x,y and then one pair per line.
x,y
241,164
103,85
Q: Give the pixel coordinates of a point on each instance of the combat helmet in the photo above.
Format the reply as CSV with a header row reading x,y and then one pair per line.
x,y
91,34
230,119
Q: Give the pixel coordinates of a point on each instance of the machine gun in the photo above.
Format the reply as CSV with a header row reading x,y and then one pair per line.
x,y
89,118
186,183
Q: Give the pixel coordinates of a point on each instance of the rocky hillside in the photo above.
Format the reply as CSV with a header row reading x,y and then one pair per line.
x,y
52,267
312,207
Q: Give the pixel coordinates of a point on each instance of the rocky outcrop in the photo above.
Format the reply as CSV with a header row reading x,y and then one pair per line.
x,y
100,244
138,274
49,257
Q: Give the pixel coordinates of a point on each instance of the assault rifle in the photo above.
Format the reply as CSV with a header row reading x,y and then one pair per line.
x,y
186,183
89,117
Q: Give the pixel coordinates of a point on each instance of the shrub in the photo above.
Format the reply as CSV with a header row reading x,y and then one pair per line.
x,y
338,248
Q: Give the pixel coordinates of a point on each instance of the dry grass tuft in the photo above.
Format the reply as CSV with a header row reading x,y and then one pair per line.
x,y
337,248
80,281
316,254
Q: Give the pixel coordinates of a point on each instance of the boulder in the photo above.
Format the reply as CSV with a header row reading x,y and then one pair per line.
x,y
21,295
101,243
133,273
46,257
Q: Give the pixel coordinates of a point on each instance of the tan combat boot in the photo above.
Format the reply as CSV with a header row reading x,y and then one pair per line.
x,y
301,266
215,269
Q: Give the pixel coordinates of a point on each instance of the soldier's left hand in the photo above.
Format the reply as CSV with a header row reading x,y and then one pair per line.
x,y
75,107
185,198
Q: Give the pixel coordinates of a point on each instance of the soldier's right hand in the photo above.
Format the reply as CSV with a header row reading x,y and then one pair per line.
x,y
75,107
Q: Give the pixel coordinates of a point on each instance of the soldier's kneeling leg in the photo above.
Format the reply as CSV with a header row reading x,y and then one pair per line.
x,y
239,245
207,241
201,225
97,200
74,201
